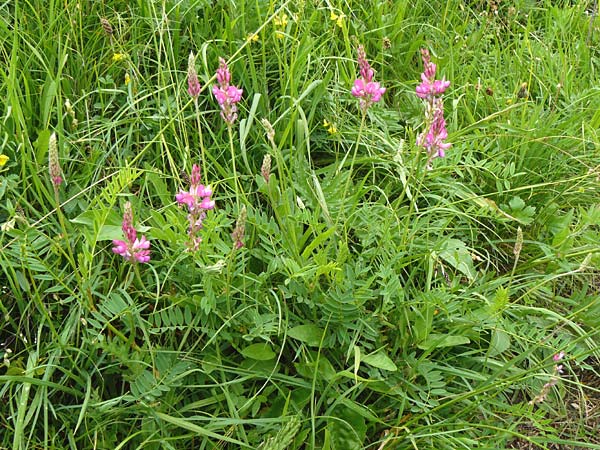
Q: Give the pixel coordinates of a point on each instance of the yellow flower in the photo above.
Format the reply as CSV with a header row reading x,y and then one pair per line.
x,y
127,79
252,37
338,19
331,128
281,20
118,57
3,160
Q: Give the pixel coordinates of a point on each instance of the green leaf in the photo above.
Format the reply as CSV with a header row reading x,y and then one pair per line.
x,y
22,280
309,334
442,340
347,430
457,254
499,343
260,352
518,209
380,360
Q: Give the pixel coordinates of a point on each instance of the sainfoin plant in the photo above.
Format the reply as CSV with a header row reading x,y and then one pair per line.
x,y
324,281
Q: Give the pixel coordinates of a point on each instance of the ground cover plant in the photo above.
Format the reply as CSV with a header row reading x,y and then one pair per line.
x,y
299,225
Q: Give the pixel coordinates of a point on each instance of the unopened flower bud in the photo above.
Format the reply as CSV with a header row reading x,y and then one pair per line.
x,y
265,169
193,82
106,26
518,243
53,163
240,229
270,131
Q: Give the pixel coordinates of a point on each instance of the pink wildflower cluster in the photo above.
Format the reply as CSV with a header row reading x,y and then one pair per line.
x,y
132,249
558,371
198,201
431,90
367,90
193,82
227,95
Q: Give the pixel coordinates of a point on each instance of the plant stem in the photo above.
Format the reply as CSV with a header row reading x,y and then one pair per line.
x,y
352,161
202,148
69,253
235,174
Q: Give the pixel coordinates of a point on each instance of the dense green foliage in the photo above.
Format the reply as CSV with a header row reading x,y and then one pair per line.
x,y
375,303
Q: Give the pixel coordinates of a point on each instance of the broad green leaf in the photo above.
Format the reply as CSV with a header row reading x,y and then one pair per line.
x,y
457,254
260,352
380,360
309,334
518,209
442,340
349,433
499,343
325,369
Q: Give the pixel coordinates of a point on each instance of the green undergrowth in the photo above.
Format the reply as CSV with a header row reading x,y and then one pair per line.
x,y
375,303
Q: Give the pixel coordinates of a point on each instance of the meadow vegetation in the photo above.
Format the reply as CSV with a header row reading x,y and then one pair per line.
x,y
255,224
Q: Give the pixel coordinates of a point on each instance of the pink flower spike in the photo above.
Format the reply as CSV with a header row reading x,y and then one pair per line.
x,y
223,74
364,88
196,177
364,67
132,249
431,90
198,201
127,224
226,94
558,356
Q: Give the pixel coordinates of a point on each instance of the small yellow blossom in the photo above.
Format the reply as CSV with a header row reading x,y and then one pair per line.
x,y
118,57
127,79
331,128
281,20
3,160
252,37
338,19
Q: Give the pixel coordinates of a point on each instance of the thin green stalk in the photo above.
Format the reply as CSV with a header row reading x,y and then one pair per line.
x,y
352,161
202,148
238,187
69,253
